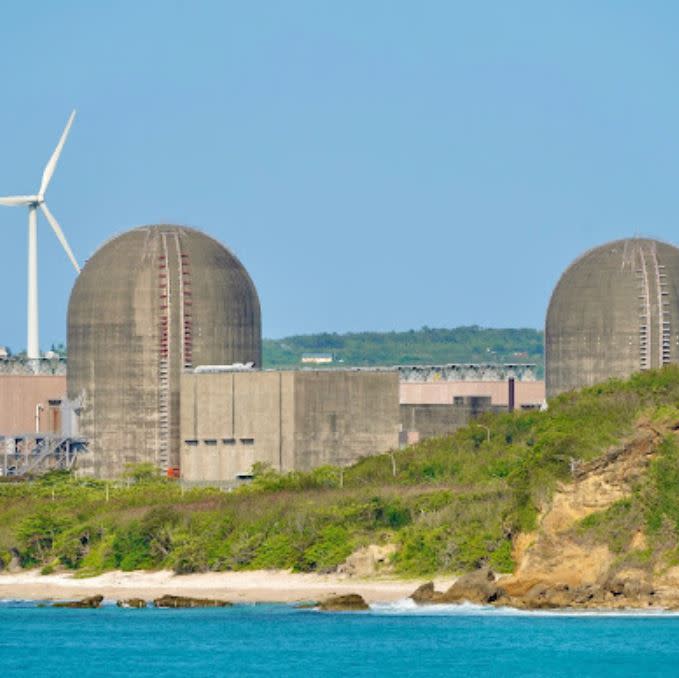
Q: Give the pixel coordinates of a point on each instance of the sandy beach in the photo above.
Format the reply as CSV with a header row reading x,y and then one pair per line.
x,y
237,587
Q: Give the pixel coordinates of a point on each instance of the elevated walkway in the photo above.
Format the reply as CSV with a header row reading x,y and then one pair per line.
x,y
36,453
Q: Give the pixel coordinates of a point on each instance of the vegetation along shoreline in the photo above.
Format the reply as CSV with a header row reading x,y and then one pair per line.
x,y
576,506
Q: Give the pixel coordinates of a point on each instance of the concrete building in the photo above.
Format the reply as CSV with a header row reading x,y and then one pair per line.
x,y
445,384
436,400
148,304
528,394
155,307
614,311
291,420
31,403
299,420
422,421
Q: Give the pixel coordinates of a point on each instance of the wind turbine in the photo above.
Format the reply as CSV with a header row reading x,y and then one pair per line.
x,y
33,202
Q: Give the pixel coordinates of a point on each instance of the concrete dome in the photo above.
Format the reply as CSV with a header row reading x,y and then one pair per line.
x,y
149,303
614,311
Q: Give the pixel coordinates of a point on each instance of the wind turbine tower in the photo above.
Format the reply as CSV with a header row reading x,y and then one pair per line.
x,y
33,202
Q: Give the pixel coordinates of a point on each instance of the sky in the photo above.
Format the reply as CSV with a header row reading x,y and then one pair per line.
x,y
377,165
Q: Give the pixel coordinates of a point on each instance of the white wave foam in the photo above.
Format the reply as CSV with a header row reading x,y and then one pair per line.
x,y
407,606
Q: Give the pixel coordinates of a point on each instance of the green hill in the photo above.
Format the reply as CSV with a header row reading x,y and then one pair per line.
x,y
448,504
425,346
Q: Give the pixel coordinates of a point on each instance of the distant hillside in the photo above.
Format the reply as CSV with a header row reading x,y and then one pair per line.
x,y
425,346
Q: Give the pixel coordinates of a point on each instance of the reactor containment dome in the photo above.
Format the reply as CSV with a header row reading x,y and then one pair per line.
x,y
150,303
615,311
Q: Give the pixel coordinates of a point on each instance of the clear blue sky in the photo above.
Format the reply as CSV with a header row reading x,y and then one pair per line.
x,y
375,165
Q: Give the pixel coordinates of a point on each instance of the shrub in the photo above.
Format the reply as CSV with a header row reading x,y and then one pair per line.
x,y
37,533
189,553
420,550
142,473
71,546
449,506
332,547
99,558
277,551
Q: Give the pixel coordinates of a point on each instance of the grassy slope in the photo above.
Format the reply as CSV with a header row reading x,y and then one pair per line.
x,y
454,502
424,346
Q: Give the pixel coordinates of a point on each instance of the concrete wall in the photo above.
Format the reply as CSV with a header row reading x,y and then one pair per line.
x,y
341,416
289,420
443,392
19,394
229,421
428,421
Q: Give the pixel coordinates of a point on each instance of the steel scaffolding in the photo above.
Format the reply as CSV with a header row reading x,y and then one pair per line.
x,y
36,453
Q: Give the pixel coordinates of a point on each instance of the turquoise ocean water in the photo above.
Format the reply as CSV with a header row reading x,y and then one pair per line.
x,y
279,640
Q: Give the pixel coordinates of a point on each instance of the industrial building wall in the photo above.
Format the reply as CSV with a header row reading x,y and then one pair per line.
x,y
19,395
428,421
289,420
232,420
439,393
341,416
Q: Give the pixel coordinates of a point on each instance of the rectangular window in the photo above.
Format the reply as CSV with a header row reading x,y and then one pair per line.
x,y
191,442
247,441
229,441
210,441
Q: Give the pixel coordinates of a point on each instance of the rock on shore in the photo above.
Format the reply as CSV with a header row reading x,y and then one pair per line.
x,y
136,603
89,602
350,602
629,589
475,587
182,601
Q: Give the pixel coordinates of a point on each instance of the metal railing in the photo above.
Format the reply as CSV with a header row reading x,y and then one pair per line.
x,y
36,453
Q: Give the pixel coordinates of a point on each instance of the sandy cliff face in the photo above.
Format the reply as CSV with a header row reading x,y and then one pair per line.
x,y
556,567
551,556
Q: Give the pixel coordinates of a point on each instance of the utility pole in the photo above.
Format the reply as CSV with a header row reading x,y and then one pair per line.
x,y
487,430
393,462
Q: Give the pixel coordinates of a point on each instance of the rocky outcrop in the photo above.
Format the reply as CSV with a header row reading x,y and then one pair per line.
x,y
475,587
182,601
621,591
350,602
368,561
543,596
633,584
90,602
425,594
556,568
136,603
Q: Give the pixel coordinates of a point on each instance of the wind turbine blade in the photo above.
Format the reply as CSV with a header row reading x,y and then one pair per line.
x,y
60,234
15,200
52,163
